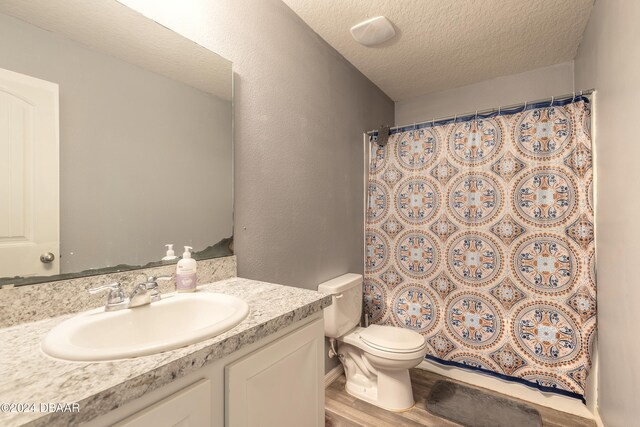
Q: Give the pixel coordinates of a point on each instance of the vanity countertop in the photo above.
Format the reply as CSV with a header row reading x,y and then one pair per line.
x,y
28,376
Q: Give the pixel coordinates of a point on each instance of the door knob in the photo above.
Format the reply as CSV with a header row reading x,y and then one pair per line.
x,y
47,257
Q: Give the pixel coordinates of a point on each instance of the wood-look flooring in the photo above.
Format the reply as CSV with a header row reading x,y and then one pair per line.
x,y
344,410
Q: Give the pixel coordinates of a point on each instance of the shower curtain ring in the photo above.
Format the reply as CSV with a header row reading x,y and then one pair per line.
x,y
574,97
551,105
525,106
433,123
476,116
499,110
455,117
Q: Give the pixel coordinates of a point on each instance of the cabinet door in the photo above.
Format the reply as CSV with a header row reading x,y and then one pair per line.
x,y
190,407
280,385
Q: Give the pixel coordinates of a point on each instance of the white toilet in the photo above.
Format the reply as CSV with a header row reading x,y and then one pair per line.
x,y
376,359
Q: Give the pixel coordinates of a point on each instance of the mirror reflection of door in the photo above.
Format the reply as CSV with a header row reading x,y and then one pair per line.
x,y
29,176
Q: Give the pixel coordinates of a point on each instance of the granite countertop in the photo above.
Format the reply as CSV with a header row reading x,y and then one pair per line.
x,y
27,375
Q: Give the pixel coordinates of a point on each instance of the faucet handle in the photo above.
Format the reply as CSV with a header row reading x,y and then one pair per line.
x,y
152,281
152,286
116,294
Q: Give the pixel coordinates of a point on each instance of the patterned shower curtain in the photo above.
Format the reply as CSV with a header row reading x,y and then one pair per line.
x,y
480,236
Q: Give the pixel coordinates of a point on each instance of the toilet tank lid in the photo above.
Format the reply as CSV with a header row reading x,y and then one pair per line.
x,y
340,283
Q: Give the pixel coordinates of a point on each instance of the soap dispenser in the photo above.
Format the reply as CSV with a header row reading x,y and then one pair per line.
x,y
186,272
171,255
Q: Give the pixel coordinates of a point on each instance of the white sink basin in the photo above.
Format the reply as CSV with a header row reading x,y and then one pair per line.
x,y
175,321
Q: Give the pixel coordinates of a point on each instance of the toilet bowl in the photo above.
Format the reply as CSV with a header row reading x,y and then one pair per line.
x,y
376,359
377,370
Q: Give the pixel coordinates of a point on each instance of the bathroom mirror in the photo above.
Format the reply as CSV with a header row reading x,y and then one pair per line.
x,y
115,139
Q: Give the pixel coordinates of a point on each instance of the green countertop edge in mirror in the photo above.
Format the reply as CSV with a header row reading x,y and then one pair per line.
x,y
221,249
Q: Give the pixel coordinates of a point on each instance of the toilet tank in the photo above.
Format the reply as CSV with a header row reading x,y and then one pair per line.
x,y
344,312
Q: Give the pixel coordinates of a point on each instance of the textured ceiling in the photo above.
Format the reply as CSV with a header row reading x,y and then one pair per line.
x,y
445,44
107,27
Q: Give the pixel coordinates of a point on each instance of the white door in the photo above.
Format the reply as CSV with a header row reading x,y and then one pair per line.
x,y
29,182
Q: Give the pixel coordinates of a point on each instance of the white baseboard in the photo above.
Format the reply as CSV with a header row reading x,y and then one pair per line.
x,y
520,391
596,417
333,375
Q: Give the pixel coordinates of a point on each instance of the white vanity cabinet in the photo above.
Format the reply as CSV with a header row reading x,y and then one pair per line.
x,y
275,382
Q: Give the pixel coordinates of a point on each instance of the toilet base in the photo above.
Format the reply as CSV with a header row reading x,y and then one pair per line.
x,y
377,376
390,390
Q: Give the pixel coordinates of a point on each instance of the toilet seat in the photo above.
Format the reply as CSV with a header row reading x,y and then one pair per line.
x,y
388,342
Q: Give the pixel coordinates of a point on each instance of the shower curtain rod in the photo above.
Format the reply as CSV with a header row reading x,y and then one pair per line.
x,y
488,111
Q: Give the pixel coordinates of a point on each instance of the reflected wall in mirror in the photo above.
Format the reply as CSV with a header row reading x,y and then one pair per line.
x,y
142,120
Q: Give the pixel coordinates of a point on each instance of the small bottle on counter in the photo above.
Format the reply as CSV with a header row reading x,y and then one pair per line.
x,y
186,280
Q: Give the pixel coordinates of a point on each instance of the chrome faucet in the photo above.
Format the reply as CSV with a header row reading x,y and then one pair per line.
x,y
142,294
147,292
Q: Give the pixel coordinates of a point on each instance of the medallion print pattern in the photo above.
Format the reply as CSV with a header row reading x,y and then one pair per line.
x,y
480,237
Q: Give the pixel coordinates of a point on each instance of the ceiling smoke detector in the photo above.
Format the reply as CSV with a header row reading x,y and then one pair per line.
x,y
373,31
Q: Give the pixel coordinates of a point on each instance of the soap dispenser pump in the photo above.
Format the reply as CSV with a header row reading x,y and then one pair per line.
x,y
171,255
186,272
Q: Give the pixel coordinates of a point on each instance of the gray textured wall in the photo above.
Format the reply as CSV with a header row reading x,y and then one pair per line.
x,y
144,160
609,61
301,110
502,91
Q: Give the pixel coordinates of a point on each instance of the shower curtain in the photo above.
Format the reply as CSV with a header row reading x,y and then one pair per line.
x,y
480,236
